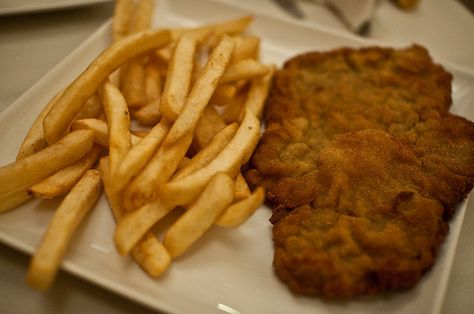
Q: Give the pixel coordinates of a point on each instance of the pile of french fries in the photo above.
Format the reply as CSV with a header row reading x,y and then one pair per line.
x,y
196,93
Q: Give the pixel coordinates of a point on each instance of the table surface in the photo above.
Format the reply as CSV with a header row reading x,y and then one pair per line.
x,y
30,45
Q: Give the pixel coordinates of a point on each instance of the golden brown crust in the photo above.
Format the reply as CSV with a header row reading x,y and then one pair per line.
x,y
361,143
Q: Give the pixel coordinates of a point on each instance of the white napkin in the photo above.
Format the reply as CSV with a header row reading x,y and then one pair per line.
x,y
356,14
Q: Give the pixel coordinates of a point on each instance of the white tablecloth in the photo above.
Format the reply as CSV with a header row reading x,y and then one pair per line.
x,y
30,45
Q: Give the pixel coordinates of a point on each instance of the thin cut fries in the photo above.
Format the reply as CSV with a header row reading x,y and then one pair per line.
x,y
34,168
121,19
190,154
241,190
238,213
34,140
258,94
244,70
178,78
67,217
63,111
202,91
148,251
62,181
215,198
100,130
135,224
118,123
13,199
205,155
150,114
139,155
237,152
159,169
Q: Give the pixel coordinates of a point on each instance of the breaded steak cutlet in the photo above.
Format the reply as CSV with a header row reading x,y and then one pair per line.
x,y
361,212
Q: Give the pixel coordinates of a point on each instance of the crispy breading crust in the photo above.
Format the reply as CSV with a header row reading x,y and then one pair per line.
x,y
371,206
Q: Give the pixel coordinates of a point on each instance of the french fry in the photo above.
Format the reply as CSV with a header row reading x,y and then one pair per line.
x,y
50,252
13,199
100,130
138,156
34,168
150,114
223,94
147,251
205,155
244,70
241,190
132,75
202,91
208,125
258,93
185,190
136,223
159,169
153,83
121,19
92,109
234,110
163,55
63,181
84,86
239,212
118,126
200,216
178,78
35,140
246,48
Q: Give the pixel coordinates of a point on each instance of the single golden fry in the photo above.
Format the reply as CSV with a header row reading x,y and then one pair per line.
x,y
148,251
223,94
100,130
241,190
63,181
205,155
143,188
239,212
244,70
118,124
132,83
50,252
258,93
141,17
150,114
13,199
34,140
136,223
185,190
234,110
200,216
138,156
121,19
246,48
202,91
178,78
91,109
208,125
153,85
34,168
69,104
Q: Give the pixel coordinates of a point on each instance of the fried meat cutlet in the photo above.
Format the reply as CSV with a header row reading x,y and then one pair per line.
x,y
359,212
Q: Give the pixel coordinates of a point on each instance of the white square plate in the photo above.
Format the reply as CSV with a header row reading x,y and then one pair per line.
x,y
228,270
